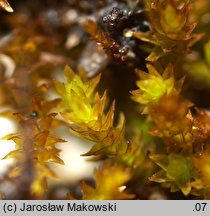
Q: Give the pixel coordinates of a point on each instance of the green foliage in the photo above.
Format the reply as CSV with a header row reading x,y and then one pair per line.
x,y
153,85
171,28
110,180
176,172
84,110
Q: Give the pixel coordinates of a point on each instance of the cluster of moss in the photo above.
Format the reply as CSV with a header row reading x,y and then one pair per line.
x,y
149,120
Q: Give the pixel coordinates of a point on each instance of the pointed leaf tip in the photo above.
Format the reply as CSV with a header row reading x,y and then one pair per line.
x,y
6,6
